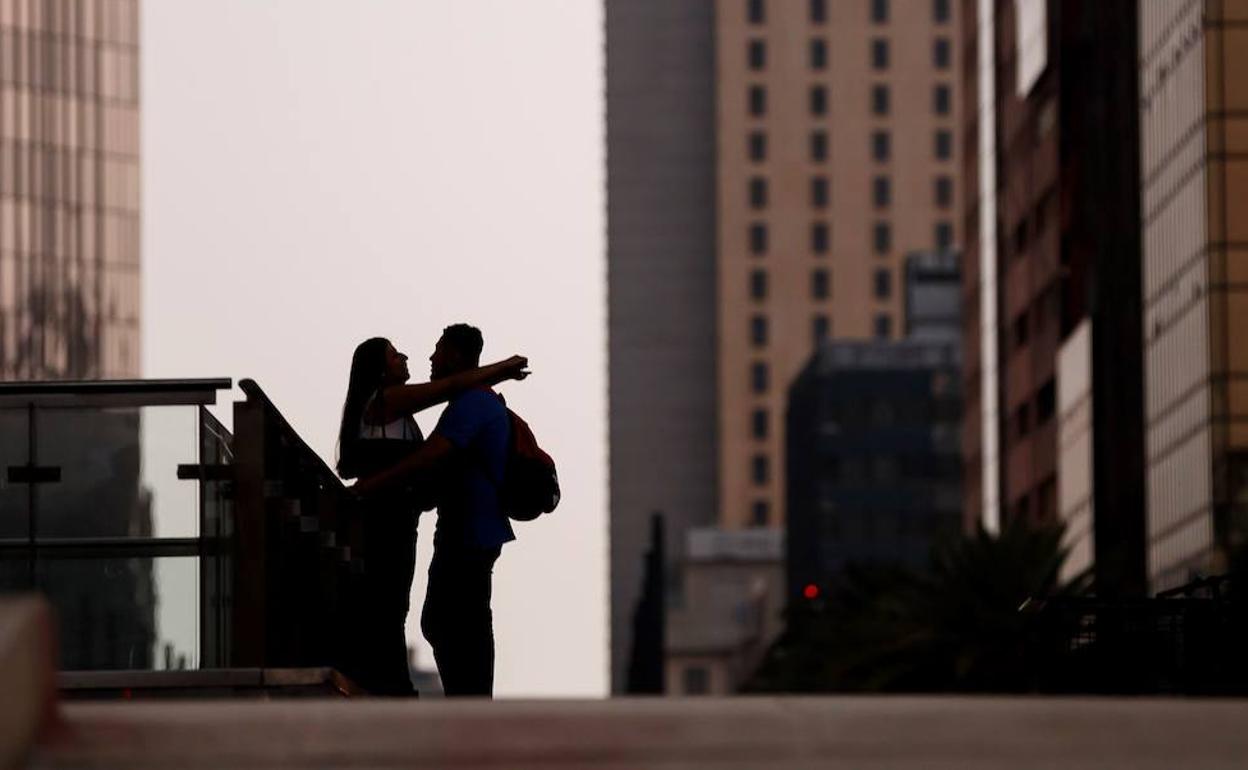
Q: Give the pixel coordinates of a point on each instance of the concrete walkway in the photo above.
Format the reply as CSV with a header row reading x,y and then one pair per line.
x,y
765,733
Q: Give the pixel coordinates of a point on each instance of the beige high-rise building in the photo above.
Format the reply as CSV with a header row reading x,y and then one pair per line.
x,y
836,158
1194,138
69,189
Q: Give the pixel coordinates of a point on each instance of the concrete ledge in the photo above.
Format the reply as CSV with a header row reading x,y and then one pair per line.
x,y
27,671
205,683
755,733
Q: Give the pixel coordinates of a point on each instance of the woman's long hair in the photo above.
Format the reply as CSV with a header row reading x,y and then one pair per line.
x,y
368,369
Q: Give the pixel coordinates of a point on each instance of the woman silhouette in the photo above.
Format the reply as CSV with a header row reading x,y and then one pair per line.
x,y
378,430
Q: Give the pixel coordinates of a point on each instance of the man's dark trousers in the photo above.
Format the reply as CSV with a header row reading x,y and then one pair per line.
x,y
457,619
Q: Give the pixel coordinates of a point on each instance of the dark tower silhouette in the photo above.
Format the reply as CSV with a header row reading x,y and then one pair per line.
x,y
645,662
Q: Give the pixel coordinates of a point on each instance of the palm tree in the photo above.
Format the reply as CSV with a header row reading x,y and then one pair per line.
x,y
957,627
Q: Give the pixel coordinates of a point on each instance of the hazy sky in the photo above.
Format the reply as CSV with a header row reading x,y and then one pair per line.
x,y
320,171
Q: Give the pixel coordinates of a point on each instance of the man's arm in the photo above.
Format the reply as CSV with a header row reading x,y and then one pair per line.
x,y
432,452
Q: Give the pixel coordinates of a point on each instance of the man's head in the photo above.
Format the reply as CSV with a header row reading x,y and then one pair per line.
x,y
459,349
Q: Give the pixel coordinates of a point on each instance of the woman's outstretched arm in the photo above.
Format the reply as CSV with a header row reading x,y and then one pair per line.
x,y
401,400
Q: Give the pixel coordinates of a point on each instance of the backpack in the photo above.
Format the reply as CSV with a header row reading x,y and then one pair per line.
x,y
530,482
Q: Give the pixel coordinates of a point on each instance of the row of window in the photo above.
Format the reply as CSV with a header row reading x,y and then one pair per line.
x,y
70,68
820,240
817,11
1045,408
111,21
820,289
59,232
756,54
44,119
71,179
881,100
821,329
881,145
942,192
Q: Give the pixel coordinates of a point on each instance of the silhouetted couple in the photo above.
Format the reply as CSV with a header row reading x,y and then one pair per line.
x,y
458,470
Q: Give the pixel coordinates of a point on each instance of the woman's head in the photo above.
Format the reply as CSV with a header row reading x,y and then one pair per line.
x,y
374,365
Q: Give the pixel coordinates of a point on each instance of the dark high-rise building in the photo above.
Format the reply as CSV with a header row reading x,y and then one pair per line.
x,y
872,435
1053,260
661,300
69,189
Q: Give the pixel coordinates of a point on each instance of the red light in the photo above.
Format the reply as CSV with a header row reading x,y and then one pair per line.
x,y
811,591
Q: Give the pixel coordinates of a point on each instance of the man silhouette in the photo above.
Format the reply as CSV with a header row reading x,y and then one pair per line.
x,y
469,450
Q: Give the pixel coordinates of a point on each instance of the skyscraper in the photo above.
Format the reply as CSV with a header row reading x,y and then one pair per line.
x,y
69,189
836,158
1191,67
661,277
70,309
1053,275
768,163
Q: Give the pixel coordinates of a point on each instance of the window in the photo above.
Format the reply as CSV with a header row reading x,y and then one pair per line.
x,y
818,100
881,192
757,55
941,55
940,11
758,285
758,192
756,12
883,283
943,192
883,238
758,101
880,145
758,377
1022,421
820,329
879,11
818,146
944,145
759,423
883,326
941,99
760,513
944,236
1020,238
758,146
758,238
1046,402
879,54
818,54
1022,508
1020,330
879,99
697,680
819,284
819,192
818,11
760,470
758,331
819,238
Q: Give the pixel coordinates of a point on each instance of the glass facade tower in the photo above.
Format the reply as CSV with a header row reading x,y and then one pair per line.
x,y
69,189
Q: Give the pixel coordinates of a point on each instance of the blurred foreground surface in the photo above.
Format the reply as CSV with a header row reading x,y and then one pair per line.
x,y
831,732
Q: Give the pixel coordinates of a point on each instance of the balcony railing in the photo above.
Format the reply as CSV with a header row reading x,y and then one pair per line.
x,y
96,513
162,540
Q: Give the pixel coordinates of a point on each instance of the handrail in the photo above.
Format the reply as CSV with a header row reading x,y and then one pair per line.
x,y
254,391
113,393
